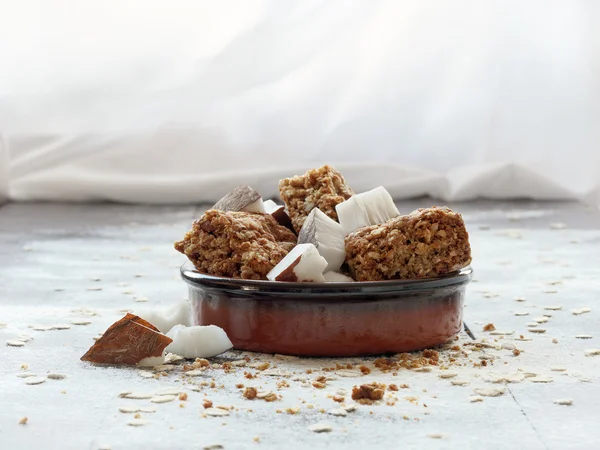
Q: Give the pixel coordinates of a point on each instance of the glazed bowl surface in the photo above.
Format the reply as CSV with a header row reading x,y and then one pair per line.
x,y
330,319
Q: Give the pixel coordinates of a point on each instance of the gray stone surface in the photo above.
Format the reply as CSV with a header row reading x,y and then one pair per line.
x,y
51,255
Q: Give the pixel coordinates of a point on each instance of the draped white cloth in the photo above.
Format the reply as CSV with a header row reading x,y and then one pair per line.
x,y
179,101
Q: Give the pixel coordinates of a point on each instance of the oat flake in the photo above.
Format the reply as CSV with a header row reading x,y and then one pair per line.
x,y
564,401
338,412
80,322
320,427
163,398
541,379
34,380
490,392
26,375
15,343
137,422
447,374
56,376
216,412
136,396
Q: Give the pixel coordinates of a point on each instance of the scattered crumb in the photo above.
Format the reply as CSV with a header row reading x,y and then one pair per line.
x,y
23,421
365,370
250,393
368,393
489,327
564,401
183,396
207,404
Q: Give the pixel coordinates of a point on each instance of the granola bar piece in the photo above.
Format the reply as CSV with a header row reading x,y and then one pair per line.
x,y
426,243
321,188
236,244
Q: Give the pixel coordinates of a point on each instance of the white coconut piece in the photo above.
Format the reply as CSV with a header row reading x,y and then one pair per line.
x,y
368,208
327,236
166,319
335,277
303,263
198,342
242,198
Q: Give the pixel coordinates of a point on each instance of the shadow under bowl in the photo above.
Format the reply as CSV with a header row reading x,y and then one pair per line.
x,y
330,319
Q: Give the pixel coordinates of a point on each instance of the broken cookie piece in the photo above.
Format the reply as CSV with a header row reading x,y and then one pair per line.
x,y
198,341
130,341
279,214
426,243
236,244
327,236
321,188
303,263
368,208
242,198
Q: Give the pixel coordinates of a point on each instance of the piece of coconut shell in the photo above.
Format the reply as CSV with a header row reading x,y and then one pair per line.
x,y
128,341
242,198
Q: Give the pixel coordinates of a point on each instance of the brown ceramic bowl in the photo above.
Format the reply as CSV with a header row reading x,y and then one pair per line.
x,y
330,319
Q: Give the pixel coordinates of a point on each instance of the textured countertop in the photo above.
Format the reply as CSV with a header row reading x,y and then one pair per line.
x,y
70,264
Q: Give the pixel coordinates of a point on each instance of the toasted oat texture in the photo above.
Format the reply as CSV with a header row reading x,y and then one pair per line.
x,y
236,244
321,188
426,243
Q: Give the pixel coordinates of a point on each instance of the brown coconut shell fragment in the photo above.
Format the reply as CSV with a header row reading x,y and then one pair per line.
x,y
127,342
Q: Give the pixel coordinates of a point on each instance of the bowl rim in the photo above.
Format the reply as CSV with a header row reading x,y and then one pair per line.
x,y
195,278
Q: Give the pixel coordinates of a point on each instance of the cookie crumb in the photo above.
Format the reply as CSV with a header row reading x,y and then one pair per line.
x,y
250,393
489,327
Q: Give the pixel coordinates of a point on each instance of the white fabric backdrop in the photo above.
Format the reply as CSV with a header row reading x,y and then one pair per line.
x,y
179,101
